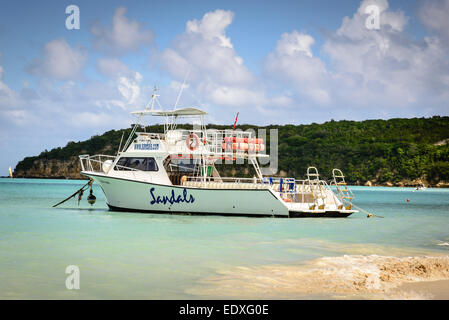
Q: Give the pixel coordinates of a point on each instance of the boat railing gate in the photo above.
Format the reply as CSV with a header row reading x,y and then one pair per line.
x,y
95,163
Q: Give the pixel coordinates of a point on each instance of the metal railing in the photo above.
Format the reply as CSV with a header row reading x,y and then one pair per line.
x,y
224,179
224,183
95,163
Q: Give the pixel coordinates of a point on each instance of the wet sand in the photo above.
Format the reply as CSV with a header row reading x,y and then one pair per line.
x,y
341,277
435,290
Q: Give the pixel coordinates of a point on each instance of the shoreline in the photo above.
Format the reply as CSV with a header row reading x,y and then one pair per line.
x,y
405,184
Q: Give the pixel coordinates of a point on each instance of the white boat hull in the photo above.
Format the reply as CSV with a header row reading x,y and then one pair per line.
x,y
128,195
139,196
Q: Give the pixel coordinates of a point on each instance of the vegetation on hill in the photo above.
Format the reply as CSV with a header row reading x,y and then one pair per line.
x,y
378,150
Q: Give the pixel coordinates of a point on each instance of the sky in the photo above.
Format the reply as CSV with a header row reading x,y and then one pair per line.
x,y
274,62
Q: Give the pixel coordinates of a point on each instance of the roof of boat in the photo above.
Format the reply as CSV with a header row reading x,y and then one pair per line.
x,y
177,112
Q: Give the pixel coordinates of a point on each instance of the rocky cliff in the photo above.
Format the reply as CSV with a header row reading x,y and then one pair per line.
x,y
52,168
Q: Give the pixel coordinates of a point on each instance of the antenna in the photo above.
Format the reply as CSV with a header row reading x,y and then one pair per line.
x,y
137,124
153,98
182,87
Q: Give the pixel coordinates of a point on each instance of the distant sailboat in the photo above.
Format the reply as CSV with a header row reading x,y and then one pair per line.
x,y
10,173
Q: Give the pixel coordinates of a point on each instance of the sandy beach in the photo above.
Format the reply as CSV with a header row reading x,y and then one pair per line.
x,y
342,277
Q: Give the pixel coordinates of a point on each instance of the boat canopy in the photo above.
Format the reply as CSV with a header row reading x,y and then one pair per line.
x,y
168,113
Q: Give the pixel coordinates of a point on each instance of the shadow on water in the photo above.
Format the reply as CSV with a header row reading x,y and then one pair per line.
x,y
86,209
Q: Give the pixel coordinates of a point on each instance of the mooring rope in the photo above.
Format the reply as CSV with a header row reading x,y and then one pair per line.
x,y
369,215
79,192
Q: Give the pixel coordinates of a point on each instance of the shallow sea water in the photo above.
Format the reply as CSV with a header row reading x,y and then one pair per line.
x,y
156,256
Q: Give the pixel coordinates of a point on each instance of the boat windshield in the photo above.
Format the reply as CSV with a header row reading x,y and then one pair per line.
x,y
143,164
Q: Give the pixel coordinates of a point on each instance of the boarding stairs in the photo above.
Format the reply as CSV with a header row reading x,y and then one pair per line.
x,y
316,188
343,192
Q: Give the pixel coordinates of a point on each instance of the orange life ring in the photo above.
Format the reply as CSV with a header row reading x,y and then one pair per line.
x,y
190,143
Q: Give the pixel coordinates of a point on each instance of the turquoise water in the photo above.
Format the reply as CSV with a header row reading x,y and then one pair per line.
x,y
149,256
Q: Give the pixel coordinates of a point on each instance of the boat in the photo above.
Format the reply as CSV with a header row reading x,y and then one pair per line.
x,y
420,187
175,172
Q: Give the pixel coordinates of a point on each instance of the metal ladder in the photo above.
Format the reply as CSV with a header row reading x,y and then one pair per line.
x,y
343,191
256,167
316,188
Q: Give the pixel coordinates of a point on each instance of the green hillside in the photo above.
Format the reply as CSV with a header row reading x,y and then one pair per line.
x,y
381,150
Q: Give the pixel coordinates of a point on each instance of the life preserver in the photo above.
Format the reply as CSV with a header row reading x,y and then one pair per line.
x,y
192,141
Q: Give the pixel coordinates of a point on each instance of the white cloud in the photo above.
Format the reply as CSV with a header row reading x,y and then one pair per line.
x,y
236,97
68,106
129,88
293,43
124,36
212,27
386,66
380,73
383,72
216,72
19,117
124,79
205,50
294,64
434,15
113,67
8,100
97,119
59,61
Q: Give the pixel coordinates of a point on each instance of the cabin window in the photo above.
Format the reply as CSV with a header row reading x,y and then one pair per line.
x,y
186,165
143,164
182,165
